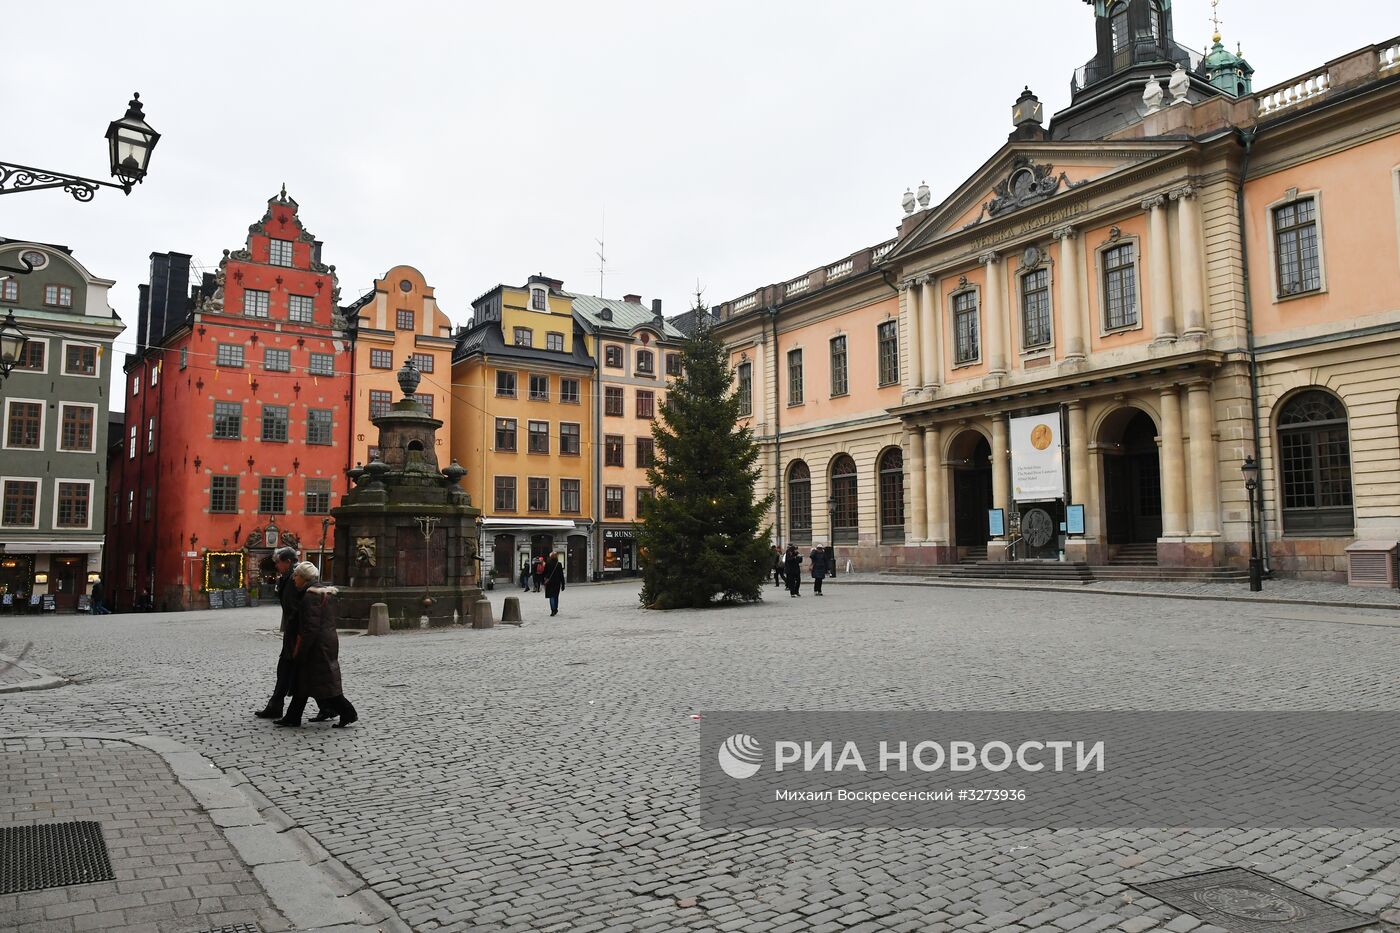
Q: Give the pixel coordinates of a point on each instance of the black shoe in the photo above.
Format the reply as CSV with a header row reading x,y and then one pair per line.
x,y
322,716
286,722
270,712
352,716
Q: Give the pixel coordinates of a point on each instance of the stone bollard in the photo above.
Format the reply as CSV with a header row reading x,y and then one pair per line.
x,y
379,619
481,614
510,612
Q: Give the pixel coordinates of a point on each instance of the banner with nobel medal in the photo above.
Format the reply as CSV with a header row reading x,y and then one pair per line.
x,y
1037,463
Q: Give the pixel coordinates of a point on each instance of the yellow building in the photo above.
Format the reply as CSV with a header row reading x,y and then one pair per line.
x,y
398,320
522,425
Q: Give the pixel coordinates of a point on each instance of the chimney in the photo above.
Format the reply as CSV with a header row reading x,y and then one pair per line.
x,y
170,282
632,299
143,315
656,307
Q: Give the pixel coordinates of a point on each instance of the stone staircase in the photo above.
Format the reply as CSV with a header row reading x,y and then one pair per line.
x,y
1135,555
1065,573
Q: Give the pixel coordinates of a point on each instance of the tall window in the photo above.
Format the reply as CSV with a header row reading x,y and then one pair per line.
x,y
76,428
673,364
612,356
887,335
505,494
1154,20
967,347
32,356
423,362
274,422
1035,309
272,495
568,391
794,361
318,426
1315,463
746,388
644,495
223,493
646,362
1295,246
25,425
255,302
570,442
1120,287
21,503
151,435
228,420
892,496
612,450
318,497
280,252
505,434
505,384
839,381
800,502
381,359
380,402
229,354
612,502
612,401
73,502
131,443
845,513
646,403
301,308
1122,37
403,319
80,360
537,494
524,337
277,360
554,341
646,452
539,437
322,364
569,500
539,388
539,301
9,290
58,296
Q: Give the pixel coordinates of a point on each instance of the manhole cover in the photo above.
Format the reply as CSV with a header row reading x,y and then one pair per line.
x,y
52,855
1244,901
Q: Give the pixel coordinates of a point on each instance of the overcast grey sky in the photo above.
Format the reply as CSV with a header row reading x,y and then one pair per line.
x,y
738,143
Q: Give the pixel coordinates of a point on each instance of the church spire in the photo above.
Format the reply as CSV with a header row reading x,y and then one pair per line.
x,y
1224,69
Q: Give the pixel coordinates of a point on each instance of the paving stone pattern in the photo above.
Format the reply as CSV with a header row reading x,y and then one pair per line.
x,y
174,870
542,778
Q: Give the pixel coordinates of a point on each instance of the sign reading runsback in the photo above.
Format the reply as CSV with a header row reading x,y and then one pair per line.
x,y
1260,770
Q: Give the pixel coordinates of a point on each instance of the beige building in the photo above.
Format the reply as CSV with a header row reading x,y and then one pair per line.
x,y
1071,355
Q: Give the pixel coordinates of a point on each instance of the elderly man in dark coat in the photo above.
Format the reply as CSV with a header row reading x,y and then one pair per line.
x,y
316,653
283,559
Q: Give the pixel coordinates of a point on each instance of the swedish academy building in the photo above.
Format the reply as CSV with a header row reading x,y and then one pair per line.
x,y
1151,331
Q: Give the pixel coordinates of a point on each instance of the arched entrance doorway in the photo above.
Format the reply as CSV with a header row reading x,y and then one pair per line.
x,y
1132,479
971,458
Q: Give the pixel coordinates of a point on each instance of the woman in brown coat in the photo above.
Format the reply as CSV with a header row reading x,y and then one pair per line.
x,y
316,656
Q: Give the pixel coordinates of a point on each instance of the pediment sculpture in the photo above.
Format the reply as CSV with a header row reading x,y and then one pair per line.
x,y
1027,183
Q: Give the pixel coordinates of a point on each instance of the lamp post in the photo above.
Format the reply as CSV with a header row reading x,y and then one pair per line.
x,y
130,142
1250,469
12,344
426,524
321,559
831,545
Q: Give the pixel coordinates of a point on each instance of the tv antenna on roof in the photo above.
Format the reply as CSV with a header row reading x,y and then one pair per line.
x,y
602,256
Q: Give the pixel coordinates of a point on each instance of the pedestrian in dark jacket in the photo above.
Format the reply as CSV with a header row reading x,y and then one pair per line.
x,y
777,565
525,572
818,568
283,559
792,570
539,572
316,653
553,577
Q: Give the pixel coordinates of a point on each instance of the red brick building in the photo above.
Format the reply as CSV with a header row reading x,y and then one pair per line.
x,y
237,417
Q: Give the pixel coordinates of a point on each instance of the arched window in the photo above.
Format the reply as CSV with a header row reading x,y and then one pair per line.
x,y
1122,37
1315,464
892,496
1154,20
799,503
845,508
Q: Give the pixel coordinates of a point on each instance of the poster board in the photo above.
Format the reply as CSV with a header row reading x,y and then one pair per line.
x,y
1074,519
1037,461
996,523
216,599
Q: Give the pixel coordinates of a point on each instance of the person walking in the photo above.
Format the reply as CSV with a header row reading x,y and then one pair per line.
x,y
525,568
316,651
539,572
818,557
553,581
777,565
792,570
284,558
99,607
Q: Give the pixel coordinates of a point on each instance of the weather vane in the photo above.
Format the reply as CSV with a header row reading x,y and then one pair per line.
x,y
1215,17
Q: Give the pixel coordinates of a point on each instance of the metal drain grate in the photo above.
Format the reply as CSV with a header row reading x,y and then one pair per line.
x,y
1241,900
52,855
235,928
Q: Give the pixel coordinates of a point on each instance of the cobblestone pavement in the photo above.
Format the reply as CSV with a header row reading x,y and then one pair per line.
x,y
174,870
542,778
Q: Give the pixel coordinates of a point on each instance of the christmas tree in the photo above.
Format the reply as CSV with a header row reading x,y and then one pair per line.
x,y
703,536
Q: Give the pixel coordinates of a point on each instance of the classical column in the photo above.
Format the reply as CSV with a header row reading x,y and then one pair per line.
x,y
914,375
1079,455
915,487
1205,483
934,496
993,316
932,349
1193,285
1172,467
1001,464
1159,267
1071,314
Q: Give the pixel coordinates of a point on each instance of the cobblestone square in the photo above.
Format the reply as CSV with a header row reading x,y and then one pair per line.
x,y
543,778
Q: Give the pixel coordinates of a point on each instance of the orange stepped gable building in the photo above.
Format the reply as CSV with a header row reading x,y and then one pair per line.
x,y
1069,357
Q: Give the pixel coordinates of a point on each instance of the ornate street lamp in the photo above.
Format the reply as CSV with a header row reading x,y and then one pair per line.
x,y
12,343
130,142
1250,469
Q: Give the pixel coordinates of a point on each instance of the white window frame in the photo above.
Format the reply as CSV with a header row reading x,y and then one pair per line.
x,y
90,484
97,362
43,425
541,290
151,434
1289,197
135,384
272,244
38,372
267,310
38,482
58,438
155,375
1102,286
